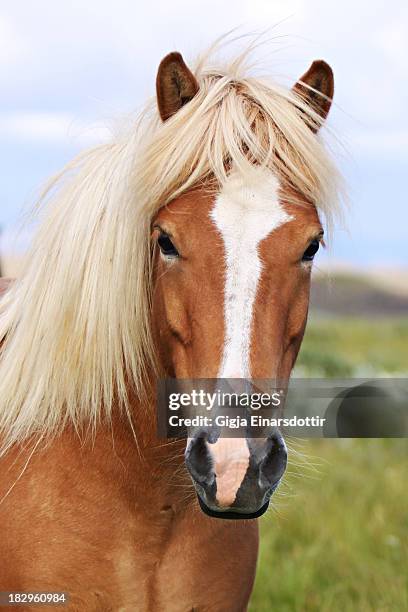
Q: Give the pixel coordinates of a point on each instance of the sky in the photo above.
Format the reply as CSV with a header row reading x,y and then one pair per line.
x,y
68,69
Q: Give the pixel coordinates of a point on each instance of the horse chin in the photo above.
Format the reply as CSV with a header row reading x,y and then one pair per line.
x,y
234,515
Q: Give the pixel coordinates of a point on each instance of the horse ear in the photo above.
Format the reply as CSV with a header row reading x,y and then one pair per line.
x,y
175,85
316,88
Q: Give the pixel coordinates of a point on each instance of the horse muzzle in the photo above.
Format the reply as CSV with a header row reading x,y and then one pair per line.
x,y
235,477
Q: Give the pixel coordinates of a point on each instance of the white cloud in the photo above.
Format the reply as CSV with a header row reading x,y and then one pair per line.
x,y
380,143
50,128
392,40
12,45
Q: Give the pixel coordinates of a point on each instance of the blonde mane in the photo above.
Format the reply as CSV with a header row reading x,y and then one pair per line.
x,y
75,326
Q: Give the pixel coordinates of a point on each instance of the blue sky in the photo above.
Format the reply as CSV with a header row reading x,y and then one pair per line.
x,y
67,70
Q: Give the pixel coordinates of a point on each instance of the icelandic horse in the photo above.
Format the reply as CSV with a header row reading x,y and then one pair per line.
x,y
182,249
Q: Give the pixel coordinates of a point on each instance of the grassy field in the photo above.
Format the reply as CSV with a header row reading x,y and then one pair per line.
x,y
337,537
344,347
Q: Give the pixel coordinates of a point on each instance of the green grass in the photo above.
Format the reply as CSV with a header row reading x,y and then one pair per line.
x,y
337,540
354,347
337,537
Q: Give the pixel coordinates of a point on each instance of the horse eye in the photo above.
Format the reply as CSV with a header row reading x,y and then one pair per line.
x,y
166,246
311,251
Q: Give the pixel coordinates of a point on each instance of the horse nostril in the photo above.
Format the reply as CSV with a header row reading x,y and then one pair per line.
x,y
274,463
199,462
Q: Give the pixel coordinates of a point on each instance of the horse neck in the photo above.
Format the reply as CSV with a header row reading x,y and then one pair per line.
x,y
129,457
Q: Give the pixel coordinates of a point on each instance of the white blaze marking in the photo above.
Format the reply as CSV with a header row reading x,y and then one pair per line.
x,y
244,214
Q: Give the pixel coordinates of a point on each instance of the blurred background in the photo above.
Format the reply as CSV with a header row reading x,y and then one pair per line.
x,y
337,536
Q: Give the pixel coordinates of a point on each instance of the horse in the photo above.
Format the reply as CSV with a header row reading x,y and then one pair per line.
x,y
180,249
